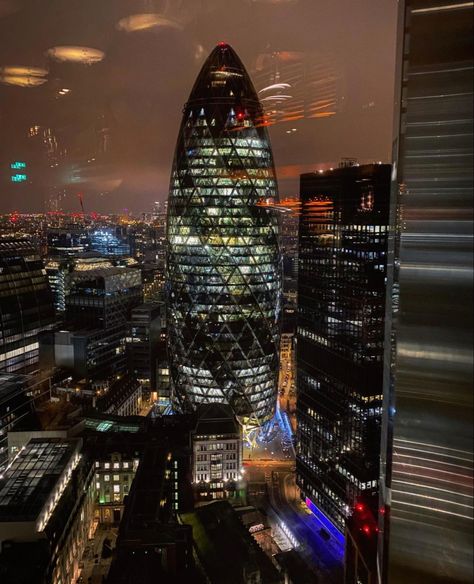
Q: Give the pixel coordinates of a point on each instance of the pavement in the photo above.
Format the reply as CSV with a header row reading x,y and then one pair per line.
x,y
94,567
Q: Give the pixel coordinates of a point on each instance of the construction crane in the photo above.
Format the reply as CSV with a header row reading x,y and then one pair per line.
x,y
79,195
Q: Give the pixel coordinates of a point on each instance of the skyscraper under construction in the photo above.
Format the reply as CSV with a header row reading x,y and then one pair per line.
x,y
223,273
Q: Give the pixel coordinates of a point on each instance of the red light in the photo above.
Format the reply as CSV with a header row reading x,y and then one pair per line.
x,y
366,529
359,507
222,44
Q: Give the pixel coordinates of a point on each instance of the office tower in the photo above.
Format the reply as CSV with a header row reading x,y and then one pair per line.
x,y
67,241
223,277
289,251
341,297
426,477
63,272
111,241
103,298
98,306
16,407
26,304
145,342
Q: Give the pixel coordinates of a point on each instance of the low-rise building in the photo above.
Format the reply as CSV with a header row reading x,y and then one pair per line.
x,y
152,545
115,468
46,505
217,452
123,397
226,549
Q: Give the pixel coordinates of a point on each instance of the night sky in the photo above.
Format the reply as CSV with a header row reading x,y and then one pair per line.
x,y
112,135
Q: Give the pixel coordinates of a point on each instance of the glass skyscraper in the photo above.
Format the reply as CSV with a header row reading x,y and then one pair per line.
x,y
427,453
341,300
223,266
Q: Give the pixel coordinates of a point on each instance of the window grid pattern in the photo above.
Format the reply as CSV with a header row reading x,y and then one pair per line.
x,y
341,290
223,262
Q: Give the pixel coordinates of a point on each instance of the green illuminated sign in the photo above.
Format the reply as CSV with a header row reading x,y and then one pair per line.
x,y
17,165
18,178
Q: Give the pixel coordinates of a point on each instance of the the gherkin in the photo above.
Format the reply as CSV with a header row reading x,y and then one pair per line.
x,y
223,269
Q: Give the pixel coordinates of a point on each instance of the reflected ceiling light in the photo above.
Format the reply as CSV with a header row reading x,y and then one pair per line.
x,y
199,52
276,98
75,54
147,21
23,76
22,80
275,86
24,71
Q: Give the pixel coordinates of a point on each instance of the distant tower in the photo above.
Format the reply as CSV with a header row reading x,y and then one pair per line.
x,y
223,272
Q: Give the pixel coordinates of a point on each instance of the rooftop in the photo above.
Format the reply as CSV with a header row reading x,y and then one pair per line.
x,y
31,477
215,419
222,541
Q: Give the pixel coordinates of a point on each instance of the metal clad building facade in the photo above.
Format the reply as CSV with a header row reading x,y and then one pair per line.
x,y
427,450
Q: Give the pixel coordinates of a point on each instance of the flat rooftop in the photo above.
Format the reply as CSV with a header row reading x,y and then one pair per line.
x,y
29,479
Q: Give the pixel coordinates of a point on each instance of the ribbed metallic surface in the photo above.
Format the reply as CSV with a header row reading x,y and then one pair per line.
x,y
427,455
223,277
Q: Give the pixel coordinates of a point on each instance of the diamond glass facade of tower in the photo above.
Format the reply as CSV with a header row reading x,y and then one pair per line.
x,y
223,261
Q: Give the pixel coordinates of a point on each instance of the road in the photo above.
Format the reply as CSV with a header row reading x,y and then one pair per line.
x,y
95,568
324,557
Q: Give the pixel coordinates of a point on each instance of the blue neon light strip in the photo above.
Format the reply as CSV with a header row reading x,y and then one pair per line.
x,y
326,522
283,422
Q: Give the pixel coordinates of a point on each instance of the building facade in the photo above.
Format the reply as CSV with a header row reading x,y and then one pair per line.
x,y
427,450
223,274
46,507
26,304
341,294
98,307
114,474
146,344
217,452
19,394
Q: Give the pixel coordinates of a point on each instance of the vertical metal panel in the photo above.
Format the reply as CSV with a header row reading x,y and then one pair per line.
x,y
427,481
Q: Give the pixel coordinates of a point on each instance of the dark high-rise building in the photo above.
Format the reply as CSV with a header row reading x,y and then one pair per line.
x,y
98,307
103,298
341,296
146,345
26,304
67,241
223,276
427,450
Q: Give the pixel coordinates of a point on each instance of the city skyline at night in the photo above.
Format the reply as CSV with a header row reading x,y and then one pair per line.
x,y
236,287
102,128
